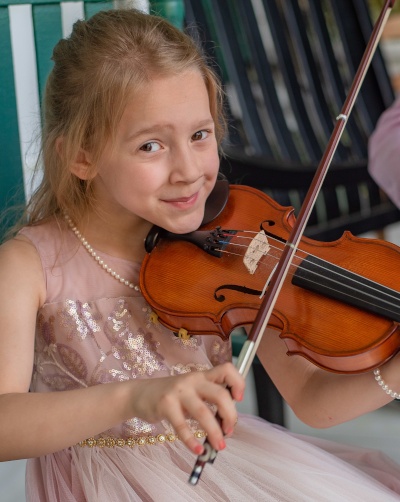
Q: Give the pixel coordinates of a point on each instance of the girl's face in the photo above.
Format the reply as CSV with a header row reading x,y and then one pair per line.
x,y
164,162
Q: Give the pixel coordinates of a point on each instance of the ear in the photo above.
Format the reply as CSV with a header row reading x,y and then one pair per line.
x,y
82,165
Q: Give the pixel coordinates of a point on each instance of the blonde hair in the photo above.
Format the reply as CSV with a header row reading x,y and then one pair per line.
x,y
95,72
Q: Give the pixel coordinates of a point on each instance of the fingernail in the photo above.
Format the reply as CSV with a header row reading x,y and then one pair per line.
x,y
229,431
199,449
221,445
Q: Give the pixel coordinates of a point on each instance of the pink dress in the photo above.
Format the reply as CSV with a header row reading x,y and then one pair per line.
x,y
383,152
93,330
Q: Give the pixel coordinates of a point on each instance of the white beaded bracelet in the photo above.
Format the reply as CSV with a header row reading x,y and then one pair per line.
x,y
385,388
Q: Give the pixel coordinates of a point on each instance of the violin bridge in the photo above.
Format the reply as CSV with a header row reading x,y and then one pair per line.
x,y
258,248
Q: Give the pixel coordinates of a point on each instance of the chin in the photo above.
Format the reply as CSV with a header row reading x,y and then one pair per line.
x,y
184,227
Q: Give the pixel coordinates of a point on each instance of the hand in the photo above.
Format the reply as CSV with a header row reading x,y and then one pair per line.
x,y
179,397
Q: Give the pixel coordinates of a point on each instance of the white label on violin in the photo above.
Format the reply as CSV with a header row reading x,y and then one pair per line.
x,y
258,248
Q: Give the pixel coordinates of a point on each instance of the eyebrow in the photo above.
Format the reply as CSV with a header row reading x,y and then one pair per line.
x,y
159,126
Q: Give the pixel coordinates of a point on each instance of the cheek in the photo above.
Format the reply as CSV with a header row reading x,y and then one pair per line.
x,y
138,180
213,163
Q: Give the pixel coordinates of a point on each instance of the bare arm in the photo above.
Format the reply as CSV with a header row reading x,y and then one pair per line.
x,y
321,398
33,424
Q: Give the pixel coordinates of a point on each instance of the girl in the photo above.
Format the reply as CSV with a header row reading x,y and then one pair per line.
x,y
132,126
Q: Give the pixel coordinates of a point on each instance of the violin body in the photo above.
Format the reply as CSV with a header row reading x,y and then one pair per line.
x,y
207,294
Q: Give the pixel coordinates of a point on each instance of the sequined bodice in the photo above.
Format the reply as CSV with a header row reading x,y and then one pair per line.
x,y
94,330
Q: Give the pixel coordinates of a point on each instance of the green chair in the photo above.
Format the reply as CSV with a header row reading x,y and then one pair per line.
x,y
28,33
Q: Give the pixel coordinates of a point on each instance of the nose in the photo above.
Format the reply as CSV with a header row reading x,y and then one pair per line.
x,y
185,165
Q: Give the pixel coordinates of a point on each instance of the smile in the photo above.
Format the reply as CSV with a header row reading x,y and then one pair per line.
x,y
183,202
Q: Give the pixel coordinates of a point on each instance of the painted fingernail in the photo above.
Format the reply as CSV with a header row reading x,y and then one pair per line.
x,y
221,445
199,449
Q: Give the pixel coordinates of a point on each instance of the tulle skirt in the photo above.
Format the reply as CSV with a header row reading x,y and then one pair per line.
x,y
262,462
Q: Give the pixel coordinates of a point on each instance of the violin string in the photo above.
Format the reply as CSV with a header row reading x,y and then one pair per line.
x,y
325,268
374,291
363,285
321,266
390,305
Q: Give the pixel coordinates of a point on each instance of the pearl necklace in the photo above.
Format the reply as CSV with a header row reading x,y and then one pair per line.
x,y
96,257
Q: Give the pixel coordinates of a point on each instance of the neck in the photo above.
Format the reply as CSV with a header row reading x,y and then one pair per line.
x,y
118,237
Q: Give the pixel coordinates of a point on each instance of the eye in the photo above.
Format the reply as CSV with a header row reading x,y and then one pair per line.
x,y
151,146
200,135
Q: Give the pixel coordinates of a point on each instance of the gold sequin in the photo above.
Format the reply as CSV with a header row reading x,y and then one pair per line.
x,y
110,442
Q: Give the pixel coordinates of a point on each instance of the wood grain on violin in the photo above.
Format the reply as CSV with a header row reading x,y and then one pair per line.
x,y
339,305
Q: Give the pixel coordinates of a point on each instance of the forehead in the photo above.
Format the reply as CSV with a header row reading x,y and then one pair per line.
x,y
172,97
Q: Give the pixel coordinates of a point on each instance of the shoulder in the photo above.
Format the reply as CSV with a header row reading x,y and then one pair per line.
x,y
21,271
45,233
18,251
53,242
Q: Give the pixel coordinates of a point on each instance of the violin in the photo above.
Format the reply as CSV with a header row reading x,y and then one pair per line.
x,y
339,305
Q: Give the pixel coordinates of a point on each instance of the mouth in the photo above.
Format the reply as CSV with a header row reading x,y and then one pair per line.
x,y
183,202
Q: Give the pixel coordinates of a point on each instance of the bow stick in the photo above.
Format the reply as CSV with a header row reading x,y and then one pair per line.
x,y
253,340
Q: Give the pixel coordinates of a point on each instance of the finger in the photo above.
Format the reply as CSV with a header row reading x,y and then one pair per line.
x,y
226,408
228,375
211,424
182,430
187,400
215,426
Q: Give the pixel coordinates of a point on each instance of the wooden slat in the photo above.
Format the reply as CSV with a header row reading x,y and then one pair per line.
x,y
93,7
40,2
48,31
11,176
